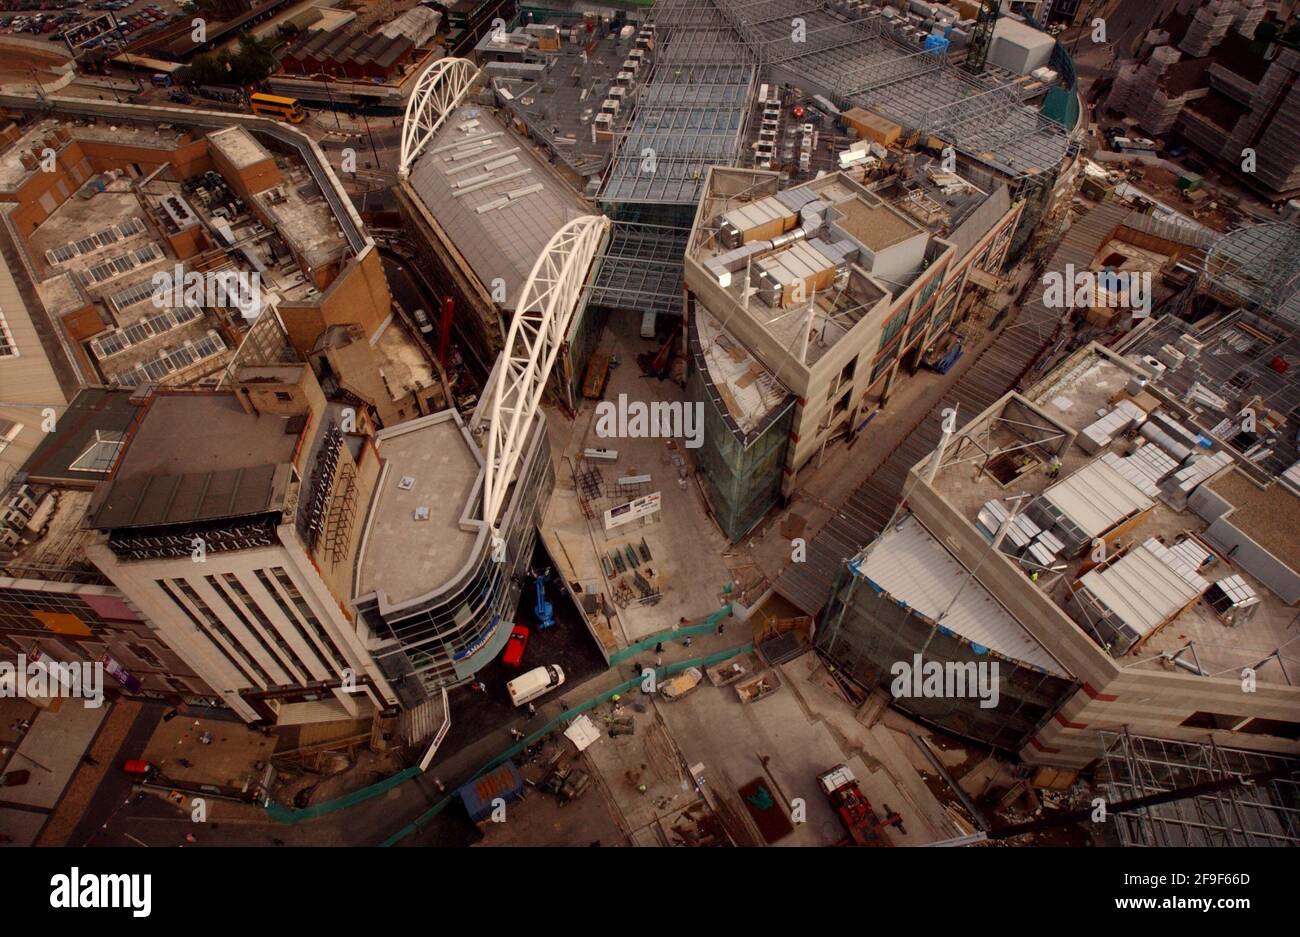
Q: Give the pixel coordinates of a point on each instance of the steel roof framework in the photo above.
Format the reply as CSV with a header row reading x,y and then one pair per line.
x,y
1257,814
690,113
1260,263
642,269
546,306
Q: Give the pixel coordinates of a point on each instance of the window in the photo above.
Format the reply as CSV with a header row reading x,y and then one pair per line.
x,y
7,347
270,634
893,327
283,397
146,656
1204,720
323,638
225,652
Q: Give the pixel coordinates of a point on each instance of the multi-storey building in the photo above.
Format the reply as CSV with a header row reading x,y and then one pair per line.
x,y
1127,571
806,304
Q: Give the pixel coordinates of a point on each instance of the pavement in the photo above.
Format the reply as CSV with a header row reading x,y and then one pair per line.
x,y
476,715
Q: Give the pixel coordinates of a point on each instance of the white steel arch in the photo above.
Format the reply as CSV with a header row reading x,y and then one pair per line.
x,y
437,93
541,320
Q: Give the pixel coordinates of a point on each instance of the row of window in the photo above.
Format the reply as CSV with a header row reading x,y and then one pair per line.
x,y
241,606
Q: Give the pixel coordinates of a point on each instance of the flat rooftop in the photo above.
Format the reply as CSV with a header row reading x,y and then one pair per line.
x,y
148,135
303,216
1239,365
857,218
559,104
1269,516
1077,395
498,203
238,146
876,226
403,557
185,433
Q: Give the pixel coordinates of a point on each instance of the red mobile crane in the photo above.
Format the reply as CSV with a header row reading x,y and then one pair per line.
x,y
855,811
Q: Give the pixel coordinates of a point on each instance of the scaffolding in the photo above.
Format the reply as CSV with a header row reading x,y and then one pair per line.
x,y
1259,813
1261,264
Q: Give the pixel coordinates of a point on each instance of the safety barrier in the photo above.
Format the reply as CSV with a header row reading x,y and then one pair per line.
x,y
667,670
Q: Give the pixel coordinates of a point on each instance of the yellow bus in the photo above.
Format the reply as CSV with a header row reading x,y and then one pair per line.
x,y
271,105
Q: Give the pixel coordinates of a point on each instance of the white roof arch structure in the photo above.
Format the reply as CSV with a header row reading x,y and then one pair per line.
x,y
546,306
438,92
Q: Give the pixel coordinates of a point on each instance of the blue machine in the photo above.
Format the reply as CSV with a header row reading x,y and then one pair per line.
x,y
542,607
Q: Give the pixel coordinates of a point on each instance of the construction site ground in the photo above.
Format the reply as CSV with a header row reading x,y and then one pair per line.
x,y
686,546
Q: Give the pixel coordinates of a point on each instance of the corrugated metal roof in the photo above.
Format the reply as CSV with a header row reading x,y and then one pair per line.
x,y
1146,586
154,500
915,568
1097,497
506,241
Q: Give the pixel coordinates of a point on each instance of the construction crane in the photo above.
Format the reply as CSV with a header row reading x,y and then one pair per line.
x,y
981,37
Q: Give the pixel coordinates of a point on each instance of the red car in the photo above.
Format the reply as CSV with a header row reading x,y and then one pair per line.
x,y
514,653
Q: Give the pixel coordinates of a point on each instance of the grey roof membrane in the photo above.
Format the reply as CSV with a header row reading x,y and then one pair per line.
x,y
503,241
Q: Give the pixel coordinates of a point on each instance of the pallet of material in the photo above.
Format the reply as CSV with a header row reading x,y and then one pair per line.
x,y
759,687
593,384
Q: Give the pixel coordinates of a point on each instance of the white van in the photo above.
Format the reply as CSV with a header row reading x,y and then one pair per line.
x,y
527,687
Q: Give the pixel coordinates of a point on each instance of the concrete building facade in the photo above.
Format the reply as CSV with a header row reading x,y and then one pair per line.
x,y
784,376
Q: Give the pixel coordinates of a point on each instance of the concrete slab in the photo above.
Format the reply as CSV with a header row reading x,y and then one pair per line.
x,y
228,760
52,751
21,827
804,729
541,820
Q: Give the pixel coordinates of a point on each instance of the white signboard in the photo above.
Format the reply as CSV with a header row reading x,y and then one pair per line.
x,y
633,510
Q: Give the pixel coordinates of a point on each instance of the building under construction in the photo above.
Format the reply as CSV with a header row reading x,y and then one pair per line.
x,y
727,82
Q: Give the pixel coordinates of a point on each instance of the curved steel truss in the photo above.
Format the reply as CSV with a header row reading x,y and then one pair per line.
x,y
541,320
437,93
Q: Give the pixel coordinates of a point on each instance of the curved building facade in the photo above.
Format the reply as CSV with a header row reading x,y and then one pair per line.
x,y
436,585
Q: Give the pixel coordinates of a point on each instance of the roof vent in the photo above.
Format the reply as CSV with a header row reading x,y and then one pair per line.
x,y
422,513
407,483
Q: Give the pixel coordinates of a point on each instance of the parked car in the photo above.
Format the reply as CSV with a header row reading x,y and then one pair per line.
x,y
514,652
